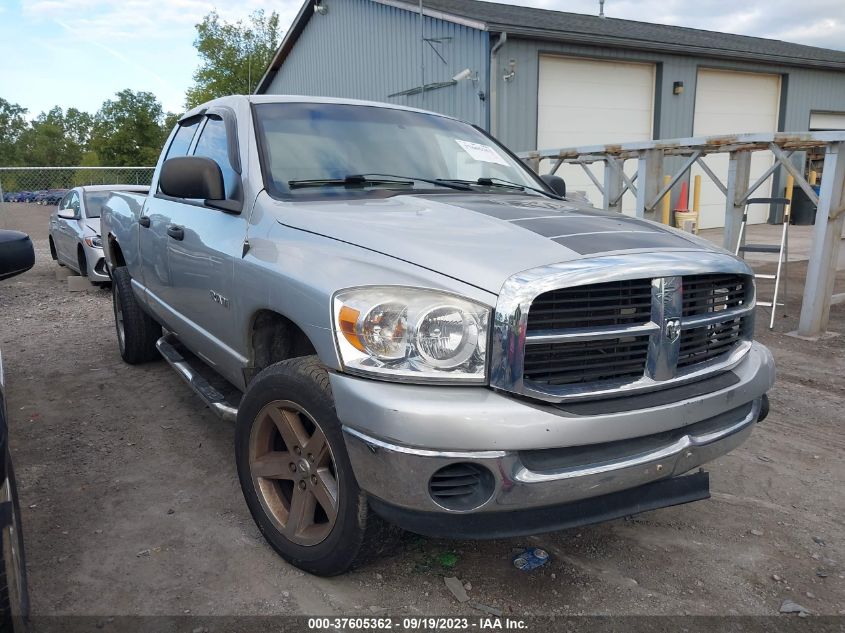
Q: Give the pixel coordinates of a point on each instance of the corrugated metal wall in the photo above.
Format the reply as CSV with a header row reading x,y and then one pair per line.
x,y
366,50
363,50
516,124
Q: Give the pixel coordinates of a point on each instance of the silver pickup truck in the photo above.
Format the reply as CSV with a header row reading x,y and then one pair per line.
x,y
411,328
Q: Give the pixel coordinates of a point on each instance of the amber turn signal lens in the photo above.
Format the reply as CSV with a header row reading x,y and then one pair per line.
x,y
348,319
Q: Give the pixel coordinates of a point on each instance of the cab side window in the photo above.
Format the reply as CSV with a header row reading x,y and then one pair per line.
x,y
213,143
182,141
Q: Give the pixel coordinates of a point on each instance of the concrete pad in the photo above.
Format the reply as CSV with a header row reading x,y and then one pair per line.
x,y
822,337
63,273
76,283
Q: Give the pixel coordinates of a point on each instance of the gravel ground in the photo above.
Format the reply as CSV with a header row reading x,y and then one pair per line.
x,y
131,503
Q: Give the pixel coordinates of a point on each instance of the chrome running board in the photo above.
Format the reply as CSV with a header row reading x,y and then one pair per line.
x,y
215,400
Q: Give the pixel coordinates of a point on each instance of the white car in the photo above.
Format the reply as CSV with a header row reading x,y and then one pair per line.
x,y
75,229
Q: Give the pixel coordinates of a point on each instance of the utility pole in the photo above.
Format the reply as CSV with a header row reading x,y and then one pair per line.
x,y
601,8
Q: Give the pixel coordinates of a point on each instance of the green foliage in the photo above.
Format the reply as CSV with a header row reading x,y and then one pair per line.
x,y
55,138
12,125
129,130
233,55
447,560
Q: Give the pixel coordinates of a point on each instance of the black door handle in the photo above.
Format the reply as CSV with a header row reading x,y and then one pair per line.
x,y
176,232
144,221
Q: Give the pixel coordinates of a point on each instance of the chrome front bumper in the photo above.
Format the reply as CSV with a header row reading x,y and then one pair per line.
x,y
398,436
399,475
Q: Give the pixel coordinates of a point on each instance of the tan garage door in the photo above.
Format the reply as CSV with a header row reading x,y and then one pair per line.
x,y
729,102
591,102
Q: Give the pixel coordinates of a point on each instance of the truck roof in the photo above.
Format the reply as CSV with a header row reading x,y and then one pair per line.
x,y
232,99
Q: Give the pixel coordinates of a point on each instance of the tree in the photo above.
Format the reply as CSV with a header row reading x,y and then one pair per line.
x,y
12,125
128,130
56,138
233,55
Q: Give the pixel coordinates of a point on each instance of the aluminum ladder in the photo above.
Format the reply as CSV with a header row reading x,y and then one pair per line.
x,y
781,249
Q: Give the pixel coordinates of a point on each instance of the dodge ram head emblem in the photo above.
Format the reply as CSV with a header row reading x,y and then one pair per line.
x,y
672,329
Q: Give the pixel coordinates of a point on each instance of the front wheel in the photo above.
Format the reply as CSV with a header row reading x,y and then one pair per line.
x,y
295,473
137,333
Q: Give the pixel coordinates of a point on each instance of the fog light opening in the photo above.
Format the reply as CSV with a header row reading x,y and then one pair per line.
x,y
461,487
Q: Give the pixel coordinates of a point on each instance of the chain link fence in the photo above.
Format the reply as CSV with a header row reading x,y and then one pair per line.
x,y
47,185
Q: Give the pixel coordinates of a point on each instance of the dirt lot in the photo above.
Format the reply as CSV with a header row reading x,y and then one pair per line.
x,y
131,503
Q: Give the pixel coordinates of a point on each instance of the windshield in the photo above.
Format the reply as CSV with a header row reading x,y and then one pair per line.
x,y
94,201
306,142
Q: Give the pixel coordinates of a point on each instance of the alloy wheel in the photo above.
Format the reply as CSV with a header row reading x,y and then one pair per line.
x,y
294,472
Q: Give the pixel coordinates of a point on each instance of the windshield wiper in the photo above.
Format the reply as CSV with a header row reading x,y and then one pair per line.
x,y
500,182
353,180
439,182
367,180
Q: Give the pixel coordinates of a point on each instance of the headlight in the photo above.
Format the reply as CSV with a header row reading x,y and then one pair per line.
x,y
94,241
411,334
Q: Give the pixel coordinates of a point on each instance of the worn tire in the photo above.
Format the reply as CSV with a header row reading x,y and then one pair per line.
x,y
14,592
82,262
357,533
137,332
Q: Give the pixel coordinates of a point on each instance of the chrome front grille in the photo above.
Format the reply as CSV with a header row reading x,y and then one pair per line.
x,y
597,305
701,344
586,361
612,325
712,293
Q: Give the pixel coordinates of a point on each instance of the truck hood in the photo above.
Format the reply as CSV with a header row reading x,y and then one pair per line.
x,y
482,239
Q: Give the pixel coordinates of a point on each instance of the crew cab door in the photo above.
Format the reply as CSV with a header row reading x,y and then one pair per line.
x,y
202,247
153,241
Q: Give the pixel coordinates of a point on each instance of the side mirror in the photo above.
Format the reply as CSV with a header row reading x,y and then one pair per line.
x,y
194,177
555,183
16,253
67,214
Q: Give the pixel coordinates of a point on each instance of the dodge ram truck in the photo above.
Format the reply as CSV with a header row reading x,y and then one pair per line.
x,y
411,328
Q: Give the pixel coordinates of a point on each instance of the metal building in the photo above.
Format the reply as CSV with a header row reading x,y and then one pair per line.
x,y
540,79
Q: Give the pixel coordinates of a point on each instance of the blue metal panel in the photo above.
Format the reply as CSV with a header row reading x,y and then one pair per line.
x,y
364,50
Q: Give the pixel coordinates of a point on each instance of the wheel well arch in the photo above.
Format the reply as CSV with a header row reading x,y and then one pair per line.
x,y
272,338
115,258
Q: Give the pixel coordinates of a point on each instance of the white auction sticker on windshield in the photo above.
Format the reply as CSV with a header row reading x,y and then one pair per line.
x,y
483,153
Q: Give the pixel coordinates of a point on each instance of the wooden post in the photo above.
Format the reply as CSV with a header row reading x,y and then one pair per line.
x,y
666,202
827,232
696,200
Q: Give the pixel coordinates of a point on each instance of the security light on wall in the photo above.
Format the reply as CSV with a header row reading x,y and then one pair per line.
x,y
320,8
466,73
678,88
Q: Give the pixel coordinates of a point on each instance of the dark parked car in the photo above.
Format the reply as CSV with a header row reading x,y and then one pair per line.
x,y
16,256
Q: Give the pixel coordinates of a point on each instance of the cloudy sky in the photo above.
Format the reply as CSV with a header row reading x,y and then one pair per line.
x,y
80,52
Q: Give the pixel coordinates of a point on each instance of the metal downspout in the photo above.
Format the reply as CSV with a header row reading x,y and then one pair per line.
x,y
494,81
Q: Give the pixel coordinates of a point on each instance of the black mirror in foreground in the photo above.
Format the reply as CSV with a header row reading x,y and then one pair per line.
x,y
555,183
16,253
196,178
